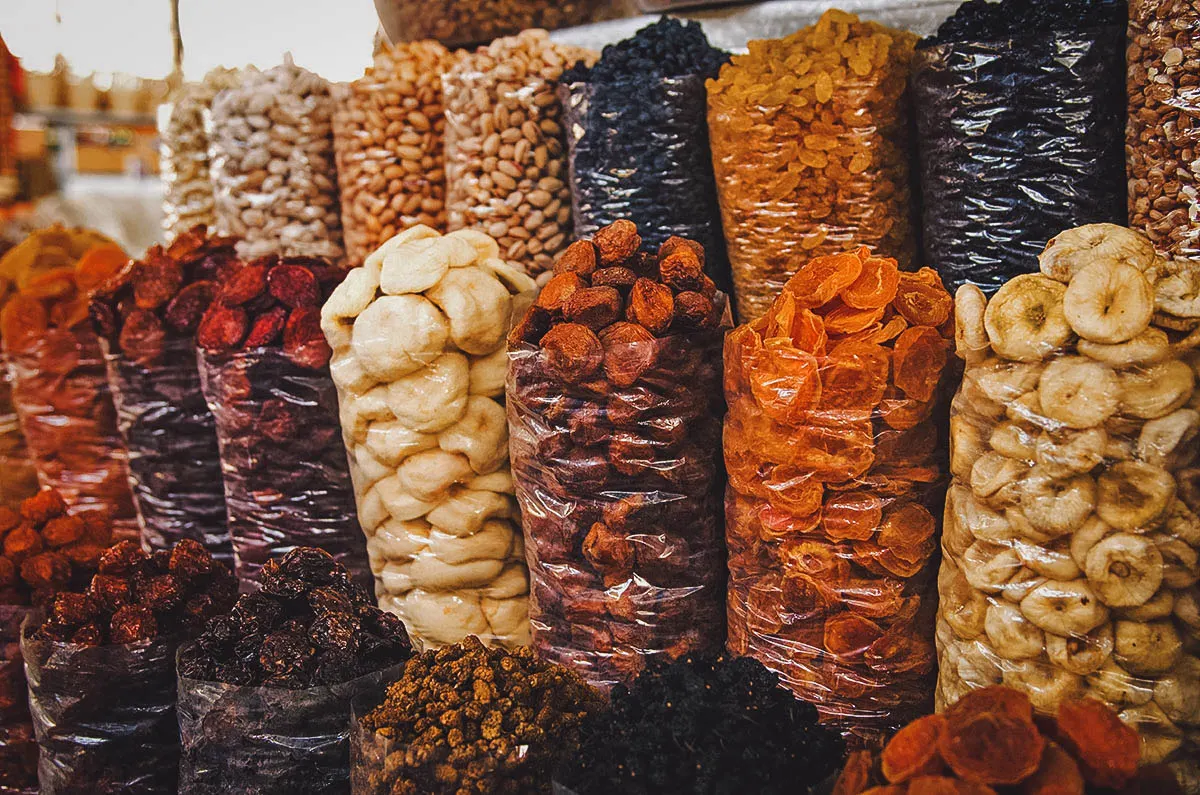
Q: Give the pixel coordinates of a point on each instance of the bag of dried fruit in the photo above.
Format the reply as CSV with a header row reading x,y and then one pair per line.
x,y
60,388
101,669
614,412
418,335
264,369
265,693
1070,546
835,481
811,147
146,317
1020,116
637,136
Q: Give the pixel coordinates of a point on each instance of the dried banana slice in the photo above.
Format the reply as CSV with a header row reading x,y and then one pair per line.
x,y
1078,392
1124,570
970,335
1109,303
1064,608
1133,495
1025,320
1072,250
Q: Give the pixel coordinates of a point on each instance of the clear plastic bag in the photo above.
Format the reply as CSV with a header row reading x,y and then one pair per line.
x,y
1017,139
286,479
171,440
18,749
269,740
639,150
389,142
836,477
620,494
814,163
104,715
1070,545
1162,131
462,22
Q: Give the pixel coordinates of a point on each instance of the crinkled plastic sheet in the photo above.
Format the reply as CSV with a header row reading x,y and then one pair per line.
x,y
464,22
286,478
620,495
1018,139
61,393
18,477
639,150
262,740
104,716
18,749
171,439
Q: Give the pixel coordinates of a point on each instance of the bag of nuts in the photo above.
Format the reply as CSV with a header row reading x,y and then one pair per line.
x,y
1161,134
811,148
418,335
272,165
465,22
506,163
389,143
1070,543
836,476
614,412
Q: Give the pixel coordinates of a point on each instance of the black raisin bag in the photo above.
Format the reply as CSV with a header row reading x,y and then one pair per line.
x,y
1019,138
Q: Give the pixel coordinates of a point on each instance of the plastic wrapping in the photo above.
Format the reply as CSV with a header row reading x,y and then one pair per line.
x,y
506,160
171,440
389,142
272,164
1070,541
835,480
639,150
1162,131
18,749
419,361
816,163
18,476
104,715
1017,139
260,740
286,480
459,22
620,494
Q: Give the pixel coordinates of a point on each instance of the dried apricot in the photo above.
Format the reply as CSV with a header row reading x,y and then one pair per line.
x,y
854,378
853,516
833,454
908,525
848,635
913,751
842,319
52,285
804,597
992,748
855,775
1107,750
1058,774
994,699
901,412
919,357
922,300
824,562
98,265
820,279
901,651
891,329
784,382
23,322
944,785
793,490
875,286
776,524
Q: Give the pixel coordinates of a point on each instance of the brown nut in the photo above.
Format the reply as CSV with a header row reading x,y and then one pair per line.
x,y
617,242
573,352
594,307
651,305
629,351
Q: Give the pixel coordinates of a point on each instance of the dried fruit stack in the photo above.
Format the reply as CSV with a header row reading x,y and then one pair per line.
x,y
989,741
147,317
835,477
614,410
1071,537
419,360
466,718
264,366
60,388
811,144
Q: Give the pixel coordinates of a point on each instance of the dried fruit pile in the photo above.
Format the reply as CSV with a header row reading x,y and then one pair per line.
x,y
464,22
264,367
1020,119
989,741
466,718
389,144
702,726
60,387
419,360
637,135
615,410
18,748
835,477
810,141
1071,537
147,317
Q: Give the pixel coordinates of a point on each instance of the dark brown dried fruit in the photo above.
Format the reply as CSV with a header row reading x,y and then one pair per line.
x,y
558,291
244,286
186,309
579,257
651,305
572,351
629,351
222,329
617,242
267,328
617,276
594,307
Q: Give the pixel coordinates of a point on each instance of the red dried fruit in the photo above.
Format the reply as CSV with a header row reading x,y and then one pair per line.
x,y
186,309
47,504
855,775
651,305
919,357
1057,775
62,531
294,286
23,322
573,352
142,337
848,635
913,751
629,351
1107,749
303,341
267,328
277,421
222,329
617,242
156,280
244,286
992,748
132,623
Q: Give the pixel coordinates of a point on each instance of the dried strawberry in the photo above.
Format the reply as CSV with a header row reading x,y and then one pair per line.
x,y
266,328
244,286
294,286
156,281
222,329
186,309
303,341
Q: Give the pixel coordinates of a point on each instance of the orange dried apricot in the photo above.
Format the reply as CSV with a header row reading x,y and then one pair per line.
x,y
822,561
855,775
919,357
921,298
992,748
1107,750
875,286
901,651
793,490
1058,774
908,525
23,322
891,329
843,319
913,751
775,524
996,699
853,516
98,265
53,284
901,412
944,785
808,332
849,635
854,378
821,278
833,454
785,382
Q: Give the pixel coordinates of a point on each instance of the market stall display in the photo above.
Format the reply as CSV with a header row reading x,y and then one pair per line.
x,y
1160,142
272,164
264,369
265,691
465,22
811,148
101,669
702,725
637,138
513,715
1070,544
506,155
836,472
614,410
389,144
60,389
146,316
418,335
1020,117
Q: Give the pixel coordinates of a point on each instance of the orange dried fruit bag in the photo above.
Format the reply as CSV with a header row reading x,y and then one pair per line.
x,y
829,491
